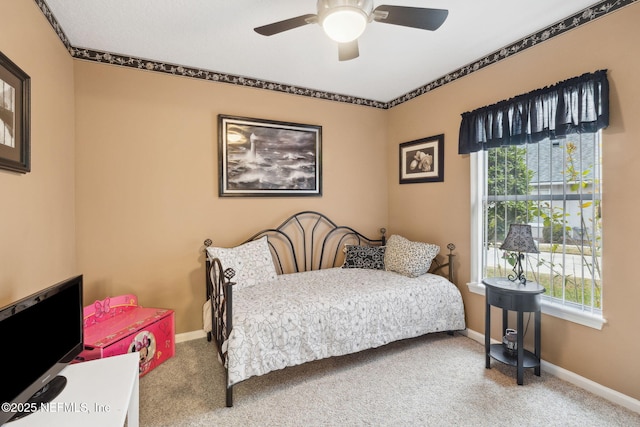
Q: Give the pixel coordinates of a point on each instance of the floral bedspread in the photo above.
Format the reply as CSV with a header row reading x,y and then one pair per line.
x,y
307,316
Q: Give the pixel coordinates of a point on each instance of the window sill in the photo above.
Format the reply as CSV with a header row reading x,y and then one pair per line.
x,y
556,310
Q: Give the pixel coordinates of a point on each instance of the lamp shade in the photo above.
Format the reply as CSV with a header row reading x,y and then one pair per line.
x,y
519,239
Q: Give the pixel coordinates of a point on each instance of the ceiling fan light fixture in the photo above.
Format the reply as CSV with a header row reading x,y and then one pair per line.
x,y
344,21
344,24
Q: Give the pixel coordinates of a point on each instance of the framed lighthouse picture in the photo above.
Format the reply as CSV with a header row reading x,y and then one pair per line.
x,y
265,158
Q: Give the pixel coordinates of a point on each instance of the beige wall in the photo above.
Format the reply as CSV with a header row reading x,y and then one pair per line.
x,y
37,226
147,185
609,356
145,181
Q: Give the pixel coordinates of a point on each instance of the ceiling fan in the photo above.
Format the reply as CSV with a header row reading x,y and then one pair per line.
x,y
345,20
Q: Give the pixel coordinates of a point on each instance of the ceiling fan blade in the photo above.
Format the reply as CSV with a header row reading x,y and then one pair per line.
x,y
287,24
415,17
349,50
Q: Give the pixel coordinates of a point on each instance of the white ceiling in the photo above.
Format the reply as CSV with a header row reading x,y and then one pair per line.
x,y
217,35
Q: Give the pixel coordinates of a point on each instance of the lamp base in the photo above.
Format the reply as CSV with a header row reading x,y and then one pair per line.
x,y
518,271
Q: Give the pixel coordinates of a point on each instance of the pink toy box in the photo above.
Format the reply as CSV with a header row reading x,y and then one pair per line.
x,y
118,325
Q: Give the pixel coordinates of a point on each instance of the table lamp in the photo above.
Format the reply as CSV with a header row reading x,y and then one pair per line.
x,y
520,240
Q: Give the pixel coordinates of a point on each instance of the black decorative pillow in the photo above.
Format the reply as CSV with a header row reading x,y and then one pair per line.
x,y
371,257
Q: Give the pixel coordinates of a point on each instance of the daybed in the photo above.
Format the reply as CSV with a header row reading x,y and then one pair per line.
x,y
310,289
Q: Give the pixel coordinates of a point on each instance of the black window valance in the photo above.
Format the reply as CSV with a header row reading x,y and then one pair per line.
x,y
580,104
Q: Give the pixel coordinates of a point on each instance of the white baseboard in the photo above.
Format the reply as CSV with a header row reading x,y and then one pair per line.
x,y
573,378
188,336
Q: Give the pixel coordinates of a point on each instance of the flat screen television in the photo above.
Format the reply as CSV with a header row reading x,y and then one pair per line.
x,y
40,335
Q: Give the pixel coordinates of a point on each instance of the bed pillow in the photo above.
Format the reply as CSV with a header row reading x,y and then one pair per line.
x,y
371,257
409,258
251,261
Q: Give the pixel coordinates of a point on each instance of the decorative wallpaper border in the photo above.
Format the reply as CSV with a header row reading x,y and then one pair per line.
x,y
583,17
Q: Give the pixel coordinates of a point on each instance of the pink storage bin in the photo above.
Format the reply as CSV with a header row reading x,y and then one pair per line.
x,y
118,325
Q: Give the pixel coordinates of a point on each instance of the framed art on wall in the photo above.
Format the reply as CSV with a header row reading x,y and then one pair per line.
x,y
422,160
14,117
259,157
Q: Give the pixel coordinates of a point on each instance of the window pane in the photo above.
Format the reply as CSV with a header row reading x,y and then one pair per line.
x,y
555,186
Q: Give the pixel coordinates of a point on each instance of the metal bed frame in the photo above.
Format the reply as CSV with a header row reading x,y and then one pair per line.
x,y
305,241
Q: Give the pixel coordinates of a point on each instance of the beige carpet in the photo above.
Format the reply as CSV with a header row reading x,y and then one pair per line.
x,y
436,380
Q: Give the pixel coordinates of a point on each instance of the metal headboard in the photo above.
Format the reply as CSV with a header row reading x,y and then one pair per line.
x,y
295,243
436,265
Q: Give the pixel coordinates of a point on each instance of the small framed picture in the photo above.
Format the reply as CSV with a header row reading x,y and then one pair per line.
x,y
422,160
14,117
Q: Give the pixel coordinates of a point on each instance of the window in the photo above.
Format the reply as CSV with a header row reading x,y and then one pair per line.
x,y
535,159
556,187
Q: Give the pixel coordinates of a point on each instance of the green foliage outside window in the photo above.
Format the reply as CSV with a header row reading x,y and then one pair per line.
x,y
507,175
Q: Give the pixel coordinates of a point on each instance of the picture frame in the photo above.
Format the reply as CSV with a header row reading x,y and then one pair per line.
x,y
15,117
422,160
267,158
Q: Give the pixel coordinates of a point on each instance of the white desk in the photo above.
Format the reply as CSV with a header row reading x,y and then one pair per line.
x,y
101,392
